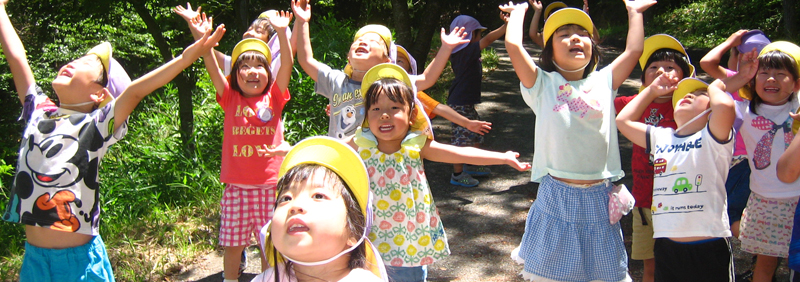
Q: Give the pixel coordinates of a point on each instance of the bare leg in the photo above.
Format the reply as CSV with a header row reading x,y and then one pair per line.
x,y
649,270
765,268
231,260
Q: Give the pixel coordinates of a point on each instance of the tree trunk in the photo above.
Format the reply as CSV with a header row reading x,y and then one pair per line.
x,y
790,22
428,25
401,22
181,81
242,21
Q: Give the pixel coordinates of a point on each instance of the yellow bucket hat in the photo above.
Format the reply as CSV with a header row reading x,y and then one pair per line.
x,y
564,17
347,164
250,44
686,86
552,6
389,70
784,46
118,79
381,30
662,41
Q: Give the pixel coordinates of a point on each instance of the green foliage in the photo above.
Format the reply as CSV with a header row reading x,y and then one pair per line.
x,y
707,23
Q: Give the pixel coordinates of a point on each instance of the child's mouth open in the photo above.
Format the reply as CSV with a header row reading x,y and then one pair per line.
x,y
386,128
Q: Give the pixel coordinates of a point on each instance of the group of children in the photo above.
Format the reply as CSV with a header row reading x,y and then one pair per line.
x,y
356,205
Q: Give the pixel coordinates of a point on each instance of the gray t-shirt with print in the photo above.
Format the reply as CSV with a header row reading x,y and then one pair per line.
x,y
344,97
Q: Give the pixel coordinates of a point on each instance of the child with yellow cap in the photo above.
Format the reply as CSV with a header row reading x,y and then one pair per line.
x,y
56,189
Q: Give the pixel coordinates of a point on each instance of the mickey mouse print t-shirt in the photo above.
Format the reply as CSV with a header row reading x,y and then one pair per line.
x,y
56,185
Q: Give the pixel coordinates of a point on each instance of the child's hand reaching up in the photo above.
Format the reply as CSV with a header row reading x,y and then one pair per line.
x,y
281,20
748,65
536,4
511,7
205,43
512,161
455,38
303,12
736,38
663,85
187,13
639,6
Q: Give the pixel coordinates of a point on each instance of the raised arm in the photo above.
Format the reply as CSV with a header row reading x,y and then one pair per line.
x,y
434,69
492,36
281,23
723,112
533,32
210,60
305,56
15,54
748,66
143,86
623,65
710,62
520,59
439,152
628,118
189,15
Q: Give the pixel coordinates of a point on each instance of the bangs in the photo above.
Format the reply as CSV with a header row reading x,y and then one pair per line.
x,y
393,88
669,55
777,60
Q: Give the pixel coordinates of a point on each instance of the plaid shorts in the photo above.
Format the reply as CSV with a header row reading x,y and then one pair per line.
x,y
461,135
244,211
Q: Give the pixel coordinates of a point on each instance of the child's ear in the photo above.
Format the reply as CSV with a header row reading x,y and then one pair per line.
x,y
352,241
796,85
101,95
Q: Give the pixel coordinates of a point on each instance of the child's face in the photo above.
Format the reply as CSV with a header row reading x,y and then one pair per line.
x,y
258,31
367,51
77,79
572,47
657,68
388,120
775,85
402,61
252,77
692,104
476,35
310,220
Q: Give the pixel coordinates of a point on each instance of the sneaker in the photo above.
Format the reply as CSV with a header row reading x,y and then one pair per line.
x,y
477,170
464,179
243,263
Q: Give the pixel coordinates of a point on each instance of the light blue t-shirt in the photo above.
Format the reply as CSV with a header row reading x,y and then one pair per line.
x,y
576,131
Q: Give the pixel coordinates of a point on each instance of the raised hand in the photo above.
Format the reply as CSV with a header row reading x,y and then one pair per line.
x,y
664,84
281,20
205,43
639,6
510,7
455,38
303,12
586,6
736,38
748,64
504,16
201,24
187,13
536,4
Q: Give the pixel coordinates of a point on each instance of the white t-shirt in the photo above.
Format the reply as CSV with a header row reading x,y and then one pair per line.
x,y
576,131
689,197
766,136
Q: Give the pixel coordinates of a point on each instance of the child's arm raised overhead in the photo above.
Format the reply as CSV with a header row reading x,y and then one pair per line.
x,y
210,59
439,152
533,32
723,112
189,16
634,46
15,54
710,62
280,23
748,66
143,86
628,118
493,35
435,68
305,55
520,59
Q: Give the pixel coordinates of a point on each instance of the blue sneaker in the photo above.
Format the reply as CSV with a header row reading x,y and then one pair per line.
x,y
464,179
477,170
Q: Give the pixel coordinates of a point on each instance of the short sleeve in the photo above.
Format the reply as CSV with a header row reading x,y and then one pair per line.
x,y
104,119
531,95
36,103
428,103
327,80
227,65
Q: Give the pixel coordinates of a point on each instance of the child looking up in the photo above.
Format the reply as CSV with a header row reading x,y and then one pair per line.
x,y
465,91
372,45
576,153
769,83
663,54
407,229
689,217
56,190
324,211
253,104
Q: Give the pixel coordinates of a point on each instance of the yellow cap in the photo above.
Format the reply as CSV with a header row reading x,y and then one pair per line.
x,y
389,70
786,47
552,6
103,51
250,44
662,41
384,33
686,86
564,17
267,14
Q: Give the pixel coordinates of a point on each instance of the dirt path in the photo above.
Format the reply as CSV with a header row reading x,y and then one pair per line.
x,y
485,223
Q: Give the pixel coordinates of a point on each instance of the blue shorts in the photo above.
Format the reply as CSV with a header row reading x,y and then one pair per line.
x,y
738,188
407,274
82,263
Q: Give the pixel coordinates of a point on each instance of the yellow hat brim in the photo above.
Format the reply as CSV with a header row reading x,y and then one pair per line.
x,y
102,51
382,31
663,41
564,17
686,86
555,5
250,44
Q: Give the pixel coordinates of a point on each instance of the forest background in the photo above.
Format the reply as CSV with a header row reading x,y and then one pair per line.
x,y
160,185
